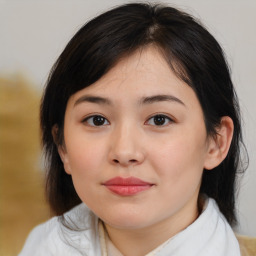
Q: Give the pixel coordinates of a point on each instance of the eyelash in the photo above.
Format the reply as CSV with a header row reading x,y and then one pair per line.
x,y
90,119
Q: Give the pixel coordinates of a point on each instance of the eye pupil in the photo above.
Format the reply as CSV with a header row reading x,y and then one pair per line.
x,y
98,120
159,120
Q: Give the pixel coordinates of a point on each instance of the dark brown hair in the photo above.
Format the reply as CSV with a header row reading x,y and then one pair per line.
x,y
192,53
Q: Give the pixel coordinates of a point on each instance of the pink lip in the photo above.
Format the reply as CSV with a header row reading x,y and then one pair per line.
x,y
127,186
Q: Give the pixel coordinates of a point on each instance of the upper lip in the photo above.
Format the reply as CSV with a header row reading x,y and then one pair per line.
x,y
130,181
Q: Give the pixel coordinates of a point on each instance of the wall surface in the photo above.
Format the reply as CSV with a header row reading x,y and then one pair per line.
x,y
33,34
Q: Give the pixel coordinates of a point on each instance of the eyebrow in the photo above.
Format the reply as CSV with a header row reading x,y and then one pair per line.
x,y
159,98
144,100
93,99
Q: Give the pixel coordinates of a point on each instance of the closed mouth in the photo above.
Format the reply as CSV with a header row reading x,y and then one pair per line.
x,y
127,186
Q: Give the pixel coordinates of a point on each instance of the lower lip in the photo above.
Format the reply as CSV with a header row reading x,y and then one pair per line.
x,y
128,190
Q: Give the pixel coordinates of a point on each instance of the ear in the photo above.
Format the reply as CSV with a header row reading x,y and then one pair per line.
x,y
61,149
219,145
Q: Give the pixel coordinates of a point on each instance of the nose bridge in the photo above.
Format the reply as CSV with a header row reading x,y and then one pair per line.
x,y
126,148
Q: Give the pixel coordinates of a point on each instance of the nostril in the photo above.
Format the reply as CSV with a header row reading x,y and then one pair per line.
x,y
130,161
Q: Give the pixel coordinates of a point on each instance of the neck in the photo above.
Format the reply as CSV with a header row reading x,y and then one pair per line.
x,y
137,242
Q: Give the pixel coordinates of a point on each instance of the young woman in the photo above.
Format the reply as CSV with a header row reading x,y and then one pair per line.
x,y
141,130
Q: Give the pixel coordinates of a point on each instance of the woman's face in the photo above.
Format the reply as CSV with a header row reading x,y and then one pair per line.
x,y
136,145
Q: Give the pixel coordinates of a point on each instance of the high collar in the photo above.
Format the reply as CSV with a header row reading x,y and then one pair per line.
x,y
209,234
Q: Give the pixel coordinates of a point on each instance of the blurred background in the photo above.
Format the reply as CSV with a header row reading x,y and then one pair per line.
x,y
32,35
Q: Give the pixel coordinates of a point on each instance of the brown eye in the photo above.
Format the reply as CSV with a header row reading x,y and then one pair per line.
x,y
96,120
159,120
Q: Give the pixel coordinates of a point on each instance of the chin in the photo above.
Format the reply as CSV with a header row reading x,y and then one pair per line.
x,y
126,221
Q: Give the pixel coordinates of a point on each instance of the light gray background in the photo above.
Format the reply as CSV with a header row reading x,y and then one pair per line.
x,y
33,34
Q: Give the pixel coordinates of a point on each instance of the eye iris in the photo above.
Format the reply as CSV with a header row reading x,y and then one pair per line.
x,y
98,120
159,120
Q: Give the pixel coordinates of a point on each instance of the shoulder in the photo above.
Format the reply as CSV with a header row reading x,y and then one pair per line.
x,y
221,238
44,236
55,236
210,234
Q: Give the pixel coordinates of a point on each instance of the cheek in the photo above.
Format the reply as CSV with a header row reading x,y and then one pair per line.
x,y
85,157
182,158
86,166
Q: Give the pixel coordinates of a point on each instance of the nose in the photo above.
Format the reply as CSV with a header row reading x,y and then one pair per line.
x,y
126,147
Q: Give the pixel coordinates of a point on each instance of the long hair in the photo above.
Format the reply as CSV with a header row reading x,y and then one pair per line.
x,y
192,53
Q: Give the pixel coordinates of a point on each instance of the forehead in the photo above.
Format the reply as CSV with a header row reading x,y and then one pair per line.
x,y
141,74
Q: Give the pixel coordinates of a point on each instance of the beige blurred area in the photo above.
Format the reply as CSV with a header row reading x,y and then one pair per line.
x,y
247,245
22,202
